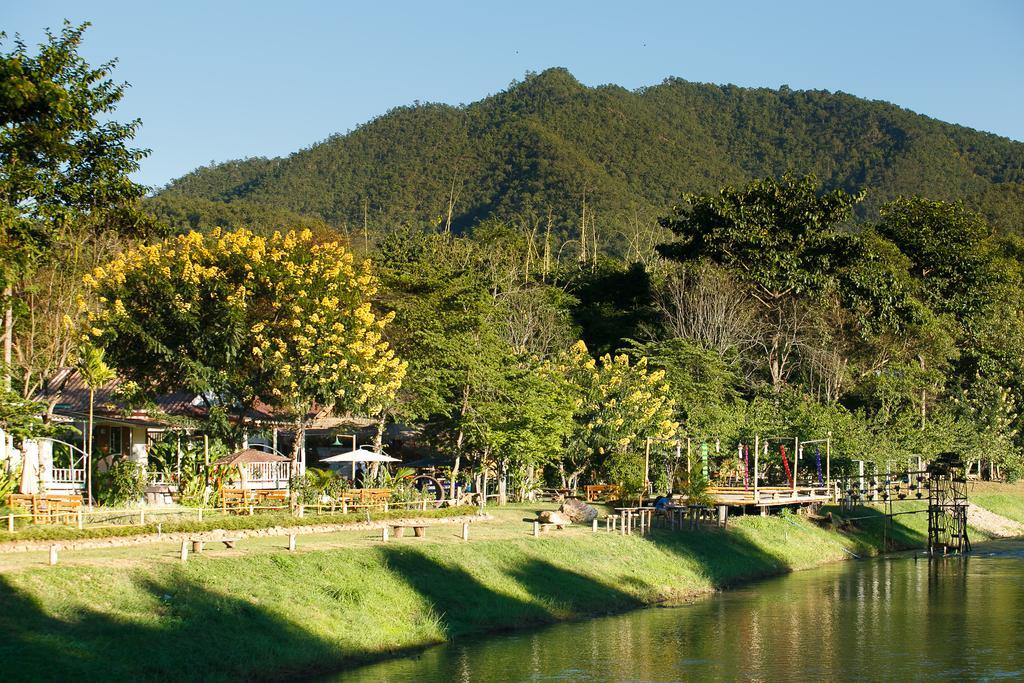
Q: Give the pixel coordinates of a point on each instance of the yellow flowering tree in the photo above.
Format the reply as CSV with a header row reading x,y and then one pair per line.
x,y
617,407
238,318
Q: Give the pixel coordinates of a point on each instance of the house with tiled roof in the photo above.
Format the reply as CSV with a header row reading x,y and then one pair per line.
x,y
122,432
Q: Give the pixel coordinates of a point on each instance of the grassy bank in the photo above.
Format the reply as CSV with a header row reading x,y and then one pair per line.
x,y
1003,499
273,615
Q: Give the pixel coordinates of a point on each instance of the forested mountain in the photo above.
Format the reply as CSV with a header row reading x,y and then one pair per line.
x,y
548,145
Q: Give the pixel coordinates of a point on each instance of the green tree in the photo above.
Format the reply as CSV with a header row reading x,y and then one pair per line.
x,y
238,318
61,155
782,239
95,373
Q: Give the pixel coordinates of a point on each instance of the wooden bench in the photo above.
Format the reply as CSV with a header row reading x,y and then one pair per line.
x,y
197,543
419,530
595,491
48,508
271,497
234,499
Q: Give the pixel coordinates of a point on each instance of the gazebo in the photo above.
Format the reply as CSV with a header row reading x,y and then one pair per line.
x,y
258,470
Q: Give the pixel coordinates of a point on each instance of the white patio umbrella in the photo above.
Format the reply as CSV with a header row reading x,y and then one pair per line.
x,y
359,455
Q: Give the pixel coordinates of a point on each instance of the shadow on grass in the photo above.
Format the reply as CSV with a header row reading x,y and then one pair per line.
x,y
201,636
725,558
461,602
563,590
873,532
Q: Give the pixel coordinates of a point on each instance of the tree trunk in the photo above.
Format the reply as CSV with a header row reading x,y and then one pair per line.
x,y
924,397
8,335
88,455
297,453
459,438
502,484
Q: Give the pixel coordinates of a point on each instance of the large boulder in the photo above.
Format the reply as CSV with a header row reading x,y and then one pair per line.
x,y
578,511
553,517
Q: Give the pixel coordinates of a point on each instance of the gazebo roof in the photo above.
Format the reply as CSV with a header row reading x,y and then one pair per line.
x,y
248,455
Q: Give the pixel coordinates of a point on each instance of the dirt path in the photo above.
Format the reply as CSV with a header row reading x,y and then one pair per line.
x,y
991,523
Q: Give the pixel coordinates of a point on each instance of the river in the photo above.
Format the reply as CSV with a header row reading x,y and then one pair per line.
x,y
893,618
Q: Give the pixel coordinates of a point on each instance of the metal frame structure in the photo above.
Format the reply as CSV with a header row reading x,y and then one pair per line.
x,y
943,484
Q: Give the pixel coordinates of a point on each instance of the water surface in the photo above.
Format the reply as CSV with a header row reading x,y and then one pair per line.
x,y
891,618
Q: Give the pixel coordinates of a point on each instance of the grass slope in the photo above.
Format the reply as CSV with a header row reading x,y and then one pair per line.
x,y
270,616
1003,499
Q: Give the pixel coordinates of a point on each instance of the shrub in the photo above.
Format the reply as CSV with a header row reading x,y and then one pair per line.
x,y
123,484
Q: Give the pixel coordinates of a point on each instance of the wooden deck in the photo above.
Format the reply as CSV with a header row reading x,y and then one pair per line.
x,y
768,496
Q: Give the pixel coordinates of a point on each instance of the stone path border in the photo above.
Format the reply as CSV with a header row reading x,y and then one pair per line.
x,y
142,539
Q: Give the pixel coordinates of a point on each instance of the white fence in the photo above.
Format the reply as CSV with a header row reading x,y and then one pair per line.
x,y
268,475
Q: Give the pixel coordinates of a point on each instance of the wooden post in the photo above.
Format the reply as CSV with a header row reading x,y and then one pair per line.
x,y
384,533
796,461
675,466
647,469
536,529
184,551
757,454
828,462
291,543
159,530
10,522
53,555
723,515
860,482
594,525
81,519
465,531
200,513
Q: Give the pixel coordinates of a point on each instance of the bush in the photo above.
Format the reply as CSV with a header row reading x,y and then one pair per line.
x,y
235,522
123,484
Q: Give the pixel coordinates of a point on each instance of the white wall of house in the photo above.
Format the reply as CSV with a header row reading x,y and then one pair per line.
x,y
139,452
10,457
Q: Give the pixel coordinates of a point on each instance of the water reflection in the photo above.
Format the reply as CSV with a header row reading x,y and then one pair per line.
x,y
892,619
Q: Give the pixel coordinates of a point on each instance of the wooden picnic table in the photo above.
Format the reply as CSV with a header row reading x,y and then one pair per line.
x,y
644,513
694,514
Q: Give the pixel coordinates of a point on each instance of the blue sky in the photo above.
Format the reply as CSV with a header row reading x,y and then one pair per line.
x,y
213,81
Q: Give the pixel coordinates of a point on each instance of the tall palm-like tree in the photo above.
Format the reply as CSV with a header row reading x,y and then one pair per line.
x,y
95,373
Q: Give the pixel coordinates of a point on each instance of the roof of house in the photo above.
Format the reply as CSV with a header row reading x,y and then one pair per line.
x,y
248,455
69,395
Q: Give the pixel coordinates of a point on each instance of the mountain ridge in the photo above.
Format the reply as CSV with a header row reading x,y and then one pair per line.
x,y
548,144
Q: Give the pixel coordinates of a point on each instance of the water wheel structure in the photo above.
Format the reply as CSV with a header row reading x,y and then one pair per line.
x,y
947,505
943,483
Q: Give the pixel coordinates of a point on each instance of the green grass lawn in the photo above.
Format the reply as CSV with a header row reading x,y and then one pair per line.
x,y
261,612
1003,499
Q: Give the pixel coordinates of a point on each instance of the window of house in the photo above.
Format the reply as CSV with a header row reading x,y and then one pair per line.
x,y
115,441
